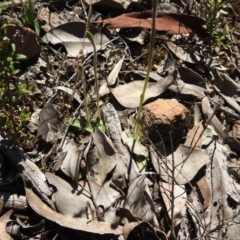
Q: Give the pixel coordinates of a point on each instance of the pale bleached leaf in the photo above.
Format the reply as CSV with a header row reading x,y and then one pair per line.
x,y
81,224
178,201
71,161
73,194
128,95
186,163
101,158
71,35
135,146
111,79
70,92
224,191
181,87
139,201
119,4
182,54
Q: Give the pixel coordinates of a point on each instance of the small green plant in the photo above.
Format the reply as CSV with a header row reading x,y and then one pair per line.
x,y
12,115
4,5
217,35
91,38
28,18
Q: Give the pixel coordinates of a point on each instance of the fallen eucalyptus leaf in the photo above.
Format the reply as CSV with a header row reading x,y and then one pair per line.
x,y
140,202
71,35
171,23
118,4
135,146
205,191
187,162
111,79
178,201
74,223
182,53
225,191
194,138
128,95
101,158
70,199
227,88
71,161
189,76
181,87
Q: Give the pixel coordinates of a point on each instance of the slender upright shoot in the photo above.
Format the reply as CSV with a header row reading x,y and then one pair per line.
x,y
81,75
149,66
91,38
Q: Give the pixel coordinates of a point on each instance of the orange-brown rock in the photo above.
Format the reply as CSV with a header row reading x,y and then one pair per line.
x,y
163,116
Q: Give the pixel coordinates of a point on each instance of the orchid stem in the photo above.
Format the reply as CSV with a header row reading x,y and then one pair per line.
x,y
149,66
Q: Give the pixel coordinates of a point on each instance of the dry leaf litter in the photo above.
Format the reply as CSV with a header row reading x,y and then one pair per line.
x,y
179,180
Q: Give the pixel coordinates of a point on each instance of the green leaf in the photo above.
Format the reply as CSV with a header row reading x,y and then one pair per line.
x,y
23,88
88,129
25,115
5,4
20,57
29,13
141,163
76,123
100,125
15,71
7,25
13,46
36,26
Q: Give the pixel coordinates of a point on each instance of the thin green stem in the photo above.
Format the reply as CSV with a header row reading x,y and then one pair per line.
x,y
91,38
81,74
149,66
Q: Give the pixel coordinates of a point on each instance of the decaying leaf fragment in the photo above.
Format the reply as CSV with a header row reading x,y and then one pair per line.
x,y
49,123
171,23
205,191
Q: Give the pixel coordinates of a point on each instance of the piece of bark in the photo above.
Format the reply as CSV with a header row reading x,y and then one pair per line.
x,y
13,201
114,131
29,170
